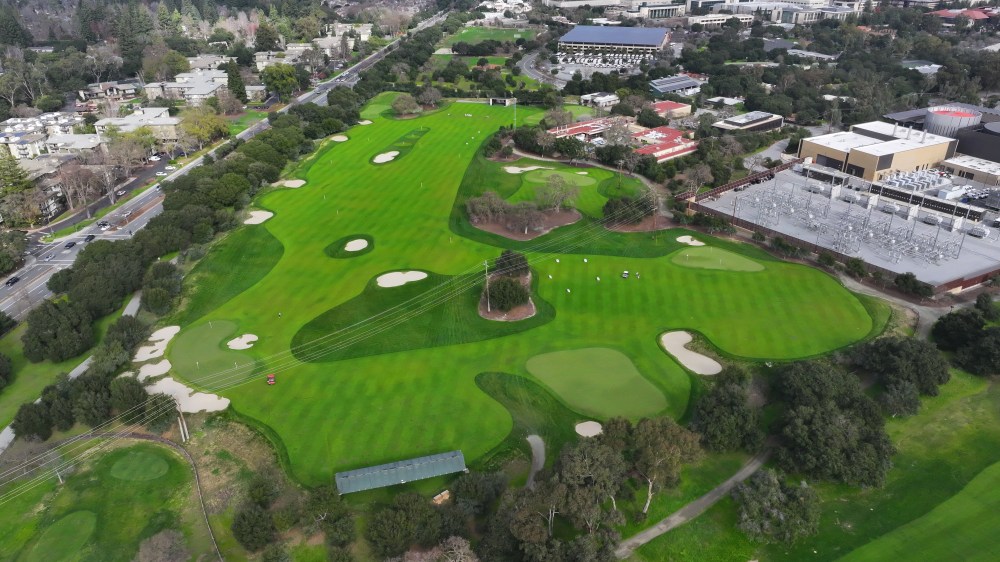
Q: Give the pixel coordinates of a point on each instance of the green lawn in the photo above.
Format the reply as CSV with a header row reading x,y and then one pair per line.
x,y
398,386
473,35
707,257
104,511
242,122
599,382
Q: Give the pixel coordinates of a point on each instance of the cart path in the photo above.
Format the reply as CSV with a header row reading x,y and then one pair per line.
x,y
693,509
537,459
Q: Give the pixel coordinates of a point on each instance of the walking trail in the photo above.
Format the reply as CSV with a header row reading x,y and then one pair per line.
x,y
537,459
693,509
926,315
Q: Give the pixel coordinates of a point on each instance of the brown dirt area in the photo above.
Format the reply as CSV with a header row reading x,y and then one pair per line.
x,y
553,220
648,224
522,312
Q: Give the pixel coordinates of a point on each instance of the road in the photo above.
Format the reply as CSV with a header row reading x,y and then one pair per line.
x,y
527,66
44,260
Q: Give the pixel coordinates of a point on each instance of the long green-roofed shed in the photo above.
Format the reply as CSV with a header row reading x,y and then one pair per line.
x,y
400,472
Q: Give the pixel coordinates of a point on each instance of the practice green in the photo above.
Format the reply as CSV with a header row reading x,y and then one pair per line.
x,y
139,466
64,538
709,257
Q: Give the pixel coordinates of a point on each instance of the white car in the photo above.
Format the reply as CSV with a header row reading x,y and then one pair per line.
x,y
171,168
161,174
154,158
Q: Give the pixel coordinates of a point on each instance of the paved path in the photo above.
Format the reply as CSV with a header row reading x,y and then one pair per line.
x,y
691,510
537,458
926,315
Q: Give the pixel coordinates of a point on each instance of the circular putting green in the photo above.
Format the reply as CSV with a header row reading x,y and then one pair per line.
x,y
572,178
598,382
709,257
139,466
350,246
64,538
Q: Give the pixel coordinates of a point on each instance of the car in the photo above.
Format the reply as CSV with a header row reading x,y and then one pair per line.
x,y
10,282
270,378
69,244
120,192
104,225
160,174
127,214
171,168
49,257
89,237
154,158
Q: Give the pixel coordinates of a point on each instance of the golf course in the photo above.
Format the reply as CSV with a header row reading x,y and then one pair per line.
x,y
370,371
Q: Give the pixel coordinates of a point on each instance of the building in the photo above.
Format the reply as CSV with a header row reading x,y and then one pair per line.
x,y
363,31
813,55
330,45
586,131
72,144
655,11
195,87
399,472
925,67
671,109
712,21
55,123
42,171
975,17
208,62
664,143
977,128
723,101
677,84
753,121
876,150
974,169
603,100
117,91
597,39
157,119
264,59
23,145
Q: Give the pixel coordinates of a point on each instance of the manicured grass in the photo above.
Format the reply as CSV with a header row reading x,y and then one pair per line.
x,y
707,257
473,35
579,113
96,515
240,123
598,382
406,386
403,145
202,355
338,249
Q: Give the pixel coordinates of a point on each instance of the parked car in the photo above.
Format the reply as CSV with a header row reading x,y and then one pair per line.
x,y
89,237
160,174
49,257
154,158
171,168
120,192
10,282
69,244
104,225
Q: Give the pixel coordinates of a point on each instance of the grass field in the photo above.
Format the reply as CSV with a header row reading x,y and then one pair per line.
x,y
945,453
402,385
473,35
106,510
597,381
707,257
241,122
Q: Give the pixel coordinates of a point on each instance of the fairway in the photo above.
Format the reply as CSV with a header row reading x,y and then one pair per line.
x,y
709,257
473,35
139,466
64,539
369,375
598,382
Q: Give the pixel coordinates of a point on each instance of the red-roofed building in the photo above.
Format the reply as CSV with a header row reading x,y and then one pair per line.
x,y
671,109
585,130
664,143
976,16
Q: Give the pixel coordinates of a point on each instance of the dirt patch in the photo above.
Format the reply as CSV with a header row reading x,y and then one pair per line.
x,y
553,220
648,224
521,312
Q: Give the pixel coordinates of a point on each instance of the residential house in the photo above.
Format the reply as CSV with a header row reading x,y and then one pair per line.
x,y
157,119
117,91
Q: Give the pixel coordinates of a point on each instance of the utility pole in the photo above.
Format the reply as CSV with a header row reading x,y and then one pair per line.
x,y
486,264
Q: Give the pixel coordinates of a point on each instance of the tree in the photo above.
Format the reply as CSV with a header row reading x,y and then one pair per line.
x,y
429,96
253,527
772,511
957,329
898,360
984,304
57,331
723,416
661,447
13,178
102,61
404,104
127,394
228,103
32,421
506,293
281,79
160,412
165,546
263,489
234,82
410,520
909,284
555,193
475,491
618,134
6,371
592,472
558,117
512,264
204,125
982,356
267,38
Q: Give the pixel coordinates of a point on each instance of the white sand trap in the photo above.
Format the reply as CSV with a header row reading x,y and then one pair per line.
x,y
589,429
356,245
444,51
581,173
674,343
518,170
398,278
294,184
258,217
190,401
364,122
339,138
243,342
151,370
386,157
690,241
159,339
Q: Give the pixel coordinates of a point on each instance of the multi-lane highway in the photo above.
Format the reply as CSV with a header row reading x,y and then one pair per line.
x,y
44,260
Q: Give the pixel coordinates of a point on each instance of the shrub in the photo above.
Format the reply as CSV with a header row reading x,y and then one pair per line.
x,y
909,284
505,293
253,527
772,511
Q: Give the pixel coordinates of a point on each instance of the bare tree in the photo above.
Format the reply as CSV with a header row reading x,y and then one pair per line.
x,y
102,61
429,96
618,134
545,139
555,193
697,176
558,117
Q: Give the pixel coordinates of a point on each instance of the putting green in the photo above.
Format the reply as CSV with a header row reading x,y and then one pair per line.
x,y
594,188
571,177
710,257
64,538
200,353
598,382
139,466
338,249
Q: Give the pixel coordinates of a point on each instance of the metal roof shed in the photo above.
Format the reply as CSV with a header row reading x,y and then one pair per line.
x,y
399,472
596,34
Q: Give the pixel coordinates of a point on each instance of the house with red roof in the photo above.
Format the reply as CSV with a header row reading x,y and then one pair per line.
x,y
671,109
664,143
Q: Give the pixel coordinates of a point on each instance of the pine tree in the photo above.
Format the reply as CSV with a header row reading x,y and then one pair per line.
x,y
235,82
13,179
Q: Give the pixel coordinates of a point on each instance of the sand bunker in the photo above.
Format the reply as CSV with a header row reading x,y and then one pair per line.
x,y
356,245
386,157
589,429
243,342
151,370
190,401
294,184
517,170
690,241
159,339
339,138
674,343
258,217
364,122
398,278
581,173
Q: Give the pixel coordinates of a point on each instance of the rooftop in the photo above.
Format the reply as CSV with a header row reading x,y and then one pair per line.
x,y
673,83
399,472
973,163
644,36
668,105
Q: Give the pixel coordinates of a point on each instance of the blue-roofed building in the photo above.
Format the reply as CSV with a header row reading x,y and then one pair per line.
x,y
399,472
595,38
